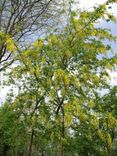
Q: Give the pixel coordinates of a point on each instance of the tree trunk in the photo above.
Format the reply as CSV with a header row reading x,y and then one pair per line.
x,y
31,143
42,154
62,132
5,150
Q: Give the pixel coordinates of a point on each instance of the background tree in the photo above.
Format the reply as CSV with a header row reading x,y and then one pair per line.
x,y
12,136
19,19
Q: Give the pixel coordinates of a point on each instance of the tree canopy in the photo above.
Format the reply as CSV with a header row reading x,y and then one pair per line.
x,y
58,109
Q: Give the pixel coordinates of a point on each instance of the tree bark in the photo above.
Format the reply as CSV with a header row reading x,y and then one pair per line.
x,y
62,132
5,150
31,143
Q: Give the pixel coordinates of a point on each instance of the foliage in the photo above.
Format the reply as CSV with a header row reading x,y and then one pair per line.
x,y
57,110
20,19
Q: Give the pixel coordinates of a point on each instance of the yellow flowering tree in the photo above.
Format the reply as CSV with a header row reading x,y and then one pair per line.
x,y
59,78
6,44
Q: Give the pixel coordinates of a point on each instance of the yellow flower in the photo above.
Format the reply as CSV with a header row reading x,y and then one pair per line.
x,y
10,45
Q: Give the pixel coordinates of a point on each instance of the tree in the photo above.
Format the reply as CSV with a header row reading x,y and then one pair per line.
x,y
12,136
9,46
108,119
19,19
58,78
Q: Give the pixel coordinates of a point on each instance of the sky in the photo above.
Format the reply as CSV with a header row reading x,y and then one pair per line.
x,y
86,4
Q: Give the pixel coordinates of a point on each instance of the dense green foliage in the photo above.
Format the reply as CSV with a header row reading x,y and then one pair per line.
x,y
58,110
